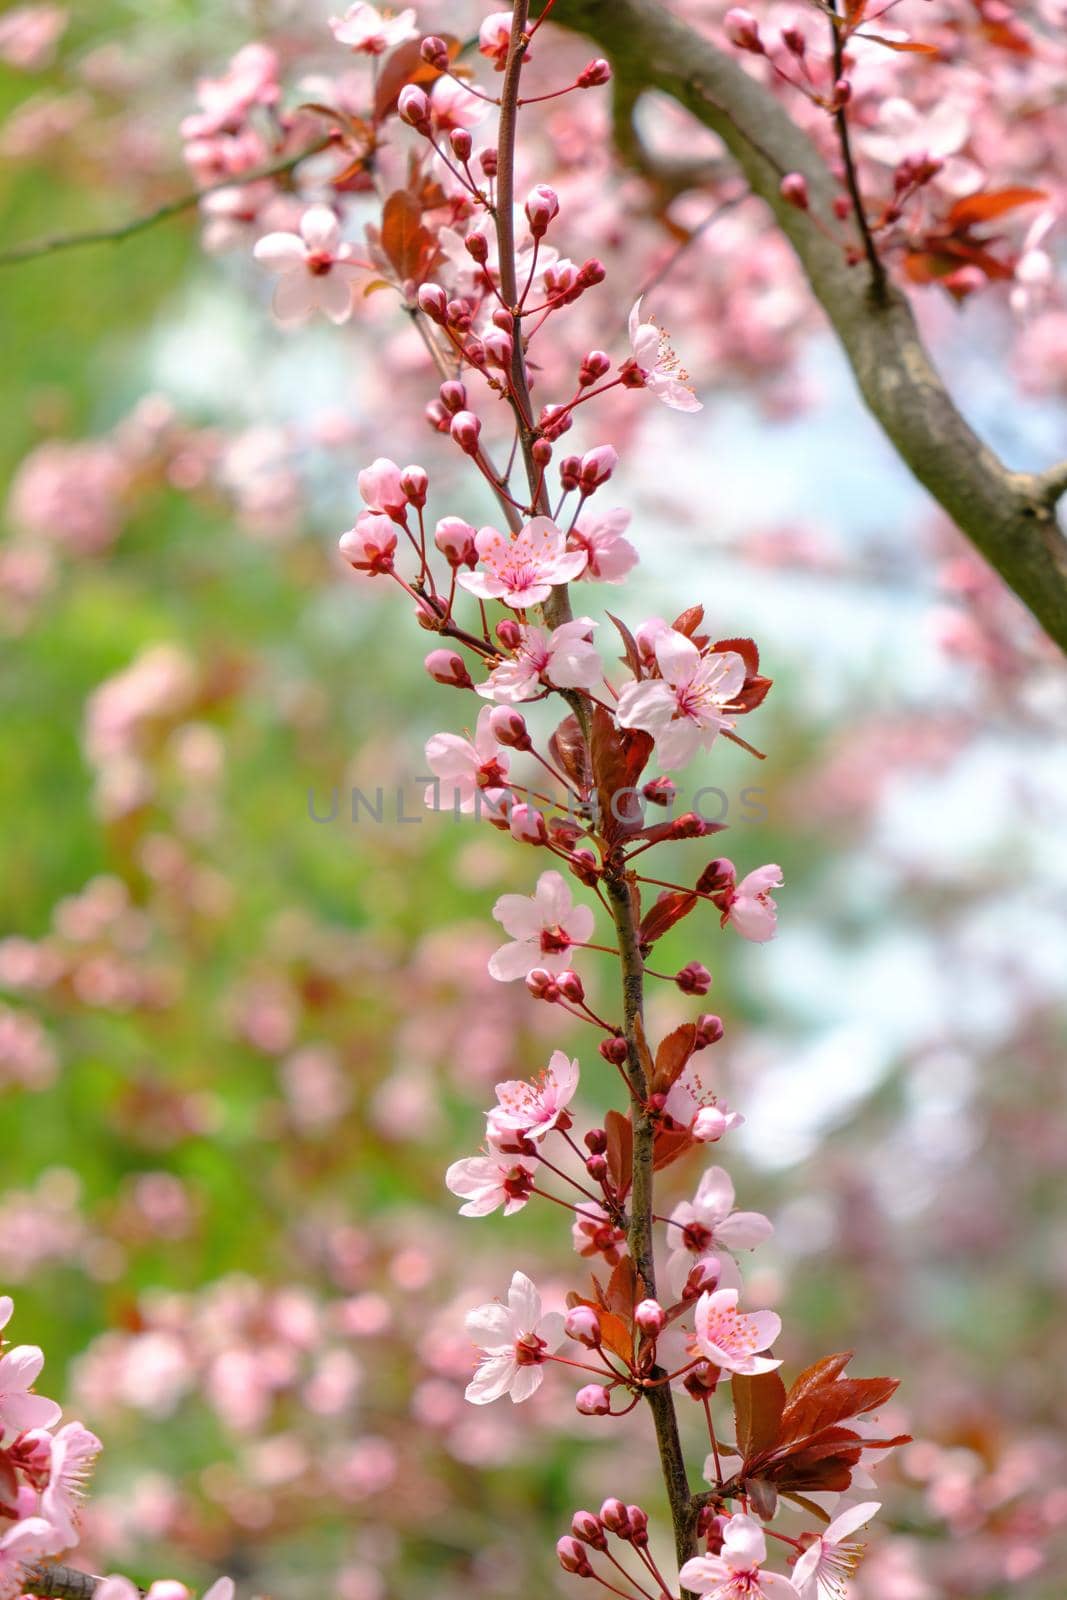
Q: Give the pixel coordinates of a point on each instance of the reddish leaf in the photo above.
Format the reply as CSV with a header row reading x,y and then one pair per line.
x,y
670,907
689,621
620,1150
669,1144
568,750
764,1497
975,208
619,757
754,693
619,1295
632,658
409,245
671,1057
617,1335
906,46
747,649
758,1405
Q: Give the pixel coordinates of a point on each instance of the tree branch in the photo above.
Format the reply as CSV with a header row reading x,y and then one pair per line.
x,y
51,244
1008,516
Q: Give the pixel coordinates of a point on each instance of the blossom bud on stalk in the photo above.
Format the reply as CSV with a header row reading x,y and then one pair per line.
x,y
465,429
616,1518
542,985
371,544
413,107
794,41
596,1140
487,160
597,467
445,666
415,481
455,540
570,473
693,978
594,73
527,825
509,728
509,633
434,52
477,247
614,1050
586,1526
542,204
703,1276
638,1526
453,395
596,365
742,29
498,348
593,1400
660,791
432,301
462,144
571,986
541,451
650,1317
794,190
572,1558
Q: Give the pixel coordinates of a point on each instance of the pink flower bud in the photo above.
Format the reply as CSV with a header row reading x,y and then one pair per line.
x,y
462,144
742,29
709,1125
594,73
593,1400
842,92
591,272
477,247
570,472
415,481
650,1318
498,348
453,395
571,986
434,52
794,41
794,190
572,1558
703,1278
459,314
693,978
615,1517
597,466
541,451
465,428
596,365
719,875
542,204
597,1168
542,985
371,544
436,416
455,540
432,301
660,791
554,420
509,633
509,728
413,107
638,1525
445,666
382,490
586,1526
614,1050
527,825
583,1325
596,1140
709,1030
487,160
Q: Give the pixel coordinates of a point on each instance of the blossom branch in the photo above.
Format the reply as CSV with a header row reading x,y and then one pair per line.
x,y
1008,516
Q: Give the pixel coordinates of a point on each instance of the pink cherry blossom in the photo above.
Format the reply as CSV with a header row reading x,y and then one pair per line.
x,y
366,31
516,1339
699,1111
737,1573
609,557
750,907
466,769
251,79
74,1450
685,709
732,1339
370,545
20,1547
658,365
594,1233
381,489
825,1567
454,106
489,1182
521,568
19,1407
544,927
710,1225
314,269
494,37
566,658
530,1110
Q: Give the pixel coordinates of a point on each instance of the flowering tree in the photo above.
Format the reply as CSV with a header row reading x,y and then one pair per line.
x,y
505,322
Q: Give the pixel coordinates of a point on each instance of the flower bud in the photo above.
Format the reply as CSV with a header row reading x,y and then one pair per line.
x,y
794,190
509,728
712,1527
842,92
594,73
650,1318
596,365
571,986
455,540
585,1525
614,1050
432,301
570,472
794,41
638,1526
709,1125
742,29
465,428
527,825
541,451
597,467
542,204
487,160
593,1400
498,348
453,395
590,273
459,314
616,1518
702,1381
660,791
596,1140
434,52
413,108
718,876
542,985
572,1557
693,978
462,144
371,544
415,481
583,1325
509,633
554,420
381,489
709,1030
436,416
703,1278
477,247
445,666
597,1168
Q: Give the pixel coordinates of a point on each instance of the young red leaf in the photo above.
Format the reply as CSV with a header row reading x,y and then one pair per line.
x,y
620,1150
671,1057
975,208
